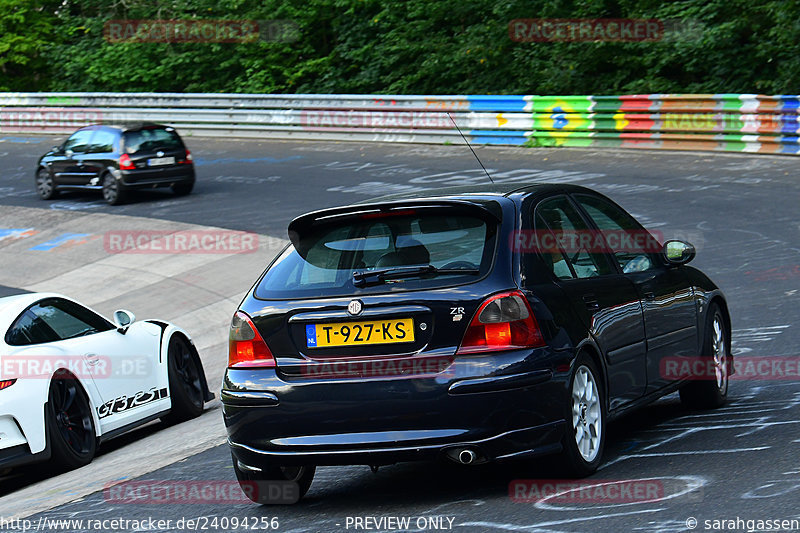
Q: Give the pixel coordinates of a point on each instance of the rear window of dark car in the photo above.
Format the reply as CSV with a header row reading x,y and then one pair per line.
x,y
151,140
462,243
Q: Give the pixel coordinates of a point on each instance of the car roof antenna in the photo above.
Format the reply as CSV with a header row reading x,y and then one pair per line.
x,y
470,148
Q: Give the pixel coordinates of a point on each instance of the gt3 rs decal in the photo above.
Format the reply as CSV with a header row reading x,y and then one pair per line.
x,y
123,403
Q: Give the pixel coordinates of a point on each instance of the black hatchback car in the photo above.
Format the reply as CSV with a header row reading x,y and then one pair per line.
x,y
474,325
115,159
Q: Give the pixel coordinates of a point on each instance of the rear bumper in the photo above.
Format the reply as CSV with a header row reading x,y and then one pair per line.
x,y
21,455
525,442
15,450
157,177
274,420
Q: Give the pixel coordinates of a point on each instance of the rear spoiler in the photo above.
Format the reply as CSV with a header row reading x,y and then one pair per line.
x,y
305,224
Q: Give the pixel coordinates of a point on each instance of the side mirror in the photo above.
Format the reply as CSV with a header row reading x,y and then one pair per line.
x,y
69,153
123,319
678,252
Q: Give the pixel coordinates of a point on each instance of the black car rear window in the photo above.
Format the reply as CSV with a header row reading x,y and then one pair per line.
x,y
463,244
151,140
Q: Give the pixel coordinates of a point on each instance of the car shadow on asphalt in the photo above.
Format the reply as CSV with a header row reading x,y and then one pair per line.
x,y
440,483
21,477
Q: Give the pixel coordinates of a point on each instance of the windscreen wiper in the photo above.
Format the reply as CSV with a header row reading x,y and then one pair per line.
x,y
378,277
80,333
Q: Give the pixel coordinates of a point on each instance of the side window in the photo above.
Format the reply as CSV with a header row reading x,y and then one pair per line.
x,y
633,247
553,257
69,320
52,320
560,232
102,142
79,141
29,329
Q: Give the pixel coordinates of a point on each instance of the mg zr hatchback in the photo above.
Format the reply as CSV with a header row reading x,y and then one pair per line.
x,y
469,325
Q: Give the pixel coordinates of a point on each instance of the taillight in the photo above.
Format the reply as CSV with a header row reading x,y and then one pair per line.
x,y
188,159
246,347
125,162
503,322
7,383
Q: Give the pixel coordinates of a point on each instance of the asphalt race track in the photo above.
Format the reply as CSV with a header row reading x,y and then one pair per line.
x,y
741,461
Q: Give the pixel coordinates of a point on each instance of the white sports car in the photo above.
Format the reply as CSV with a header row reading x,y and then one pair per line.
x,y
70,379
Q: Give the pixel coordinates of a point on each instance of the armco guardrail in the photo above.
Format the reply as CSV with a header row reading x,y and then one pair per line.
x,y
729,122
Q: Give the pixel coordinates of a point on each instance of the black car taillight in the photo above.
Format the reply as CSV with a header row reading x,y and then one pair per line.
x,y
188,159
246,347
503,322
125,162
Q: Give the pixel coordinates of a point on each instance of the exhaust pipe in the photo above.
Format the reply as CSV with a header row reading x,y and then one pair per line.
x,y
467,456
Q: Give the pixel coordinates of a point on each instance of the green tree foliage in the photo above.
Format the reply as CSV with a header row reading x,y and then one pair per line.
x,y
404,46
26,31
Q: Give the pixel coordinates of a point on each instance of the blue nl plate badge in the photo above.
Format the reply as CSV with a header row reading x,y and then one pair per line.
x,y
311,335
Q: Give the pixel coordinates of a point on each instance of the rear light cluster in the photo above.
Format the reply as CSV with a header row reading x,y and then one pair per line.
x,y
188,159
125,162
246,348
7,383
503,322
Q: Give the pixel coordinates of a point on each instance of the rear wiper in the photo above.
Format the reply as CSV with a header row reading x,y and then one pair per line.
x,y
377,277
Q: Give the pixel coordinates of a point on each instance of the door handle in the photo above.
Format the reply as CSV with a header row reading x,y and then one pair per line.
x,y
591,302
91,359
649,296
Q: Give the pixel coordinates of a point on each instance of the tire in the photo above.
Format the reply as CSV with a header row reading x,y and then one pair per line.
x,y
69,422
45,186
256,485
114,193
584,441
711,393
185,383
182,189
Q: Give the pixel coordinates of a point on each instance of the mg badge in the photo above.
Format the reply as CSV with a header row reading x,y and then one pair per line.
x,y
354,307
160,153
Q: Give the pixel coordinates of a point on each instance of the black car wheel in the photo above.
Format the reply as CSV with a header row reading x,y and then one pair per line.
x,y
185,383
584,440
182,189
711,391
70,426
45,185
256,484
113,192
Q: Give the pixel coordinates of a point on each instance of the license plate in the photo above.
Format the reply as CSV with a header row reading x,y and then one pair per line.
x,y
360,333
158,161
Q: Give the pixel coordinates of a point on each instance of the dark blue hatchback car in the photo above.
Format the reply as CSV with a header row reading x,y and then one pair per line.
x,y
473,325
115,159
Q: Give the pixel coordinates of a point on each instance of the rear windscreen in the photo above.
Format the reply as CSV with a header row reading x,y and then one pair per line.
x,y
151,140
462,245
